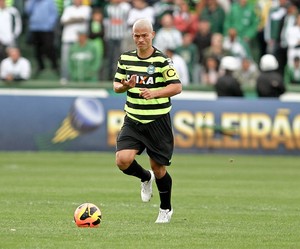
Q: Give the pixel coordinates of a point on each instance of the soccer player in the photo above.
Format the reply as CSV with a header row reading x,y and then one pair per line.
x,y
149,79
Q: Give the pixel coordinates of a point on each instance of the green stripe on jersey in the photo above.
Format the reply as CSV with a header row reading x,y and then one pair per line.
x,y
154,73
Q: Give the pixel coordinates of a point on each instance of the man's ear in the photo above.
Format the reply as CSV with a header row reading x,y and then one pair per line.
x,y
153,34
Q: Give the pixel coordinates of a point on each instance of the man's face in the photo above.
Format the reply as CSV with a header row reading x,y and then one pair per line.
x,y
143,38
82,38
243,2
14,54
77,2
232,33
245,64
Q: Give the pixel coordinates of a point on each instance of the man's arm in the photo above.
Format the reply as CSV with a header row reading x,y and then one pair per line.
x,y
25,69
168,91
123,86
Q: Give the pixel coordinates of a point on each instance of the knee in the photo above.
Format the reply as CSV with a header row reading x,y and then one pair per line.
x,y
159,171
123,161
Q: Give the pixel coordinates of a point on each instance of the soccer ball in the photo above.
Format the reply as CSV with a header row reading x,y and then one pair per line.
x,y
87,215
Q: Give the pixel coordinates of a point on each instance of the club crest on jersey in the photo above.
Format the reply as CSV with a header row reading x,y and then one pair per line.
x,y
151,69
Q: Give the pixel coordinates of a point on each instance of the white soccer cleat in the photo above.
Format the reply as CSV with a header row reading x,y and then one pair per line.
x,y
164,216
146,188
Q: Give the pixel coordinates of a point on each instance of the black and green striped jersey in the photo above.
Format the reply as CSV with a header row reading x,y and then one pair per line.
x,y
154,72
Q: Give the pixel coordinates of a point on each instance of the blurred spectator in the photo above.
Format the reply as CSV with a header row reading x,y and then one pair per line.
x,y
98,3
233,43
179,65
84,60
210,72
43,17
74,19
288,21
273,26
292,73
224,4
202,41
152,2
10,27
86,2
161,8
59,6
203,38
115,23
140,9
263,8
227,85
293,41
189,52
184,20
167,36
247,73
214,14
66,3
243,18
216,48
269,83
96,34
14,67
19,5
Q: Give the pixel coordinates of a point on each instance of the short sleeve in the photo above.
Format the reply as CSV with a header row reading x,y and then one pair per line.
x,y
169,72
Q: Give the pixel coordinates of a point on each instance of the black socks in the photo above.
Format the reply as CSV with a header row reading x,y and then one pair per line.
x,y
138,171
164,186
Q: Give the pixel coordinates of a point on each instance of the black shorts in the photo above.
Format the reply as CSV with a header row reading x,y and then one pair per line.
x,y
156,137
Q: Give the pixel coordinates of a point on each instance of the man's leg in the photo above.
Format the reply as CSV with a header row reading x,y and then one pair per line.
x,y
38,50
64,62
164,186
125,160
135,169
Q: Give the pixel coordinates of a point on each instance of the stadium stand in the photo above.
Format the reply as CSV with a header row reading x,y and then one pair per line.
x,y
50,80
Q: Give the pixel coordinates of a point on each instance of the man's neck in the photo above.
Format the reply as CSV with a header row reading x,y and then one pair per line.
x,y
145,53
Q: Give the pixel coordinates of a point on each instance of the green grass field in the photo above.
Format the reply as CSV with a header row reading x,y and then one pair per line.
x,y
246,202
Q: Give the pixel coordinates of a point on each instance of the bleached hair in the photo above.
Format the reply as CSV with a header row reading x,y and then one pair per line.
x,y
143,23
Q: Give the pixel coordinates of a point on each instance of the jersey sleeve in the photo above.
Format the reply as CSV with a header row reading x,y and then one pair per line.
x,y
169,72
121,72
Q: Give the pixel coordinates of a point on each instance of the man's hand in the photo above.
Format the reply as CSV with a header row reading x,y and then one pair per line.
x,y
130,83
147,93
166,92
123,86
9,77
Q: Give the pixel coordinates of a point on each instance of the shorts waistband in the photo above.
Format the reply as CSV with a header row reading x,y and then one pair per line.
x,y
130,120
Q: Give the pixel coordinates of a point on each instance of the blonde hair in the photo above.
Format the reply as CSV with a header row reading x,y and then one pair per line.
x,y
143,23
